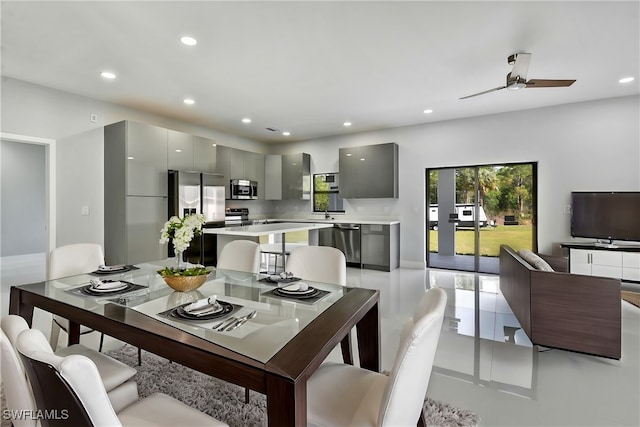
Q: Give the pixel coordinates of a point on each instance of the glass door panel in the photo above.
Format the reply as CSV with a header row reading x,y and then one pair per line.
x,y
473,210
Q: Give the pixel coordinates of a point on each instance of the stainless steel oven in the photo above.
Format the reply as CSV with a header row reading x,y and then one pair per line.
x,y
243,189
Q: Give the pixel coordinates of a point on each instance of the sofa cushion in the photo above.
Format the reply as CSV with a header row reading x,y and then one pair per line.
x,y
534,260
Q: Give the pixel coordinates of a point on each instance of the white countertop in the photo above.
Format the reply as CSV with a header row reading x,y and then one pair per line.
x,y
264,229
338,220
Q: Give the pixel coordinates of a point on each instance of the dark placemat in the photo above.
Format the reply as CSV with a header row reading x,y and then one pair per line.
x,y
86,290
106,273
307,299
275,282
178,313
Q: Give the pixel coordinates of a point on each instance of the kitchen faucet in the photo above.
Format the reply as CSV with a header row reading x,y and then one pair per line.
x,y
326,215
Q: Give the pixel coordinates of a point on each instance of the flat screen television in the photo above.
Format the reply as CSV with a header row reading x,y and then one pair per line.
x,y
605,215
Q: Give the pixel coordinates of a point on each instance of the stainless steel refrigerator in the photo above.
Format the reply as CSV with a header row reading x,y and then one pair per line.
x,y
195,193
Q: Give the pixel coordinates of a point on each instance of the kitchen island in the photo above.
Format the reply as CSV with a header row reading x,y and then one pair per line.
x,y
253,232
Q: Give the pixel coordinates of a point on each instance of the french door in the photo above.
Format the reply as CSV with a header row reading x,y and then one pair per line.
x,y
472,210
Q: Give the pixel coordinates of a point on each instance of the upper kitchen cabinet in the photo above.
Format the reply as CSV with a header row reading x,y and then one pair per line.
x,y
205,154
179,151
288,176
187,152
137,153
369,171
296,176
239,164
273,177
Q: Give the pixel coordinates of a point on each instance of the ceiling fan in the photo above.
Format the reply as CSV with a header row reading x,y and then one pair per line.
x,y
517,78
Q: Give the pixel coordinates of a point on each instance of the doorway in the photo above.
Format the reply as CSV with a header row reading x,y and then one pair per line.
x,y
28,210
472,210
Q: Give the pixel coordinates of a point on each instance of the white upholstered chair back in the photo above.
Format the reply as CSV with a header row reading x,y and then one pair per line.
x,y
240,255
69,260
318,264
407,386
16,387
73,259
79,372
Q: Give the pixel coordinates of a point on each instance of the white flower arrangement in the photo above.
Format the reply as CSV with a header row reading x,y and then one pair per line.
x,y
181,230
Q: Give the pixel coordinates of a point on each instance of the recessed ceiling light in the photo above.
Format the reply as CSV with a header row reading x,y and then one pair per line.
x,y
348,154
108,75
286,133
246,120
214,145
130,158
178,151
626,80
189,101
189,41
428,111
347,124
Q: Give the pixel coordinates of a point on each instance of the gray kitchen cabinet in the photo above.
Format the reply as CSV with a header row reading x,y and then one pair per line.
x,y
296,176
180,151
205,154
273,177
239,164
380,246
236,164
135,192
254,170
369,171
139,153
223,155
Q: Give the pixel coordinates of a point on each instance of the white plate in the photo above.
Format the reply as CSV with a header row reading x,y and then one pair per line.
x,y
206,310
294,289
115,289
112,267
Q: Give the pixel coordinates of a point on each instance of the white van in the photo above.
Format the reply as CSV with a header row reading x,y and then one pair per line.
x,y
463,217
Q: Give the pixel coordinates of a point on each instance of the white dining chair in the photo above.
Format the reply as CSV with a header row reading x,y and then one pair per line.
x,y
342,395
71,386
117,377
240,255
318,264
70,260
322,264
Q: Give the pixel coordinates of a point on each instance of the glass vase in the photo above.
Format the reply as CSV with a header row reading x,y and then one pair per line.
x,y
180,263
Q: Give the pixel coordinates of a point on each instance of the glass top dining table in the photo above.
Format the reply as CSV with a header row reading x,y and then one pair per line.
x,y
274,352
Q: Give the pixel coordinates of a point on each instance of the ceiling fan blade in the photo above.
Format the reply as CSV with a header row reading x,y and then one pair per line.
x,y
482,93
549,83
521,66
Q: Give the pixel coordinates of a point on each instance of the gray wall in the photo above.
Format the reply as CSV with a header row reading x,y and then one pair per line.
x,y
584,146
22,199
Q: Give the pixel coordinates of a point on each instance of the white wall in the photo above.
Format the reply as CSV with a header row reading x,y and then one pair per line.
x,y
34,110
584,146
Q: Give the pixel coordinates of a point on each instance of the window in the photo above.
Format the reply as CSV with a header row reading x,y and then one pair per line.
x,y
325,193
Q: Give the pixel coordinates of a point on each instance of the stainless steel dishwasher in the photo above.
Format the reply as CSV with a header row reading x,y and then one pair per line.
x,y
347,238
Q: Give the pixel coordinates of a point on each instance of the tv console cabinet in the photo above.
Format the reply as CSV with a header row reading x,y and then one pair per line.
x,y
618,261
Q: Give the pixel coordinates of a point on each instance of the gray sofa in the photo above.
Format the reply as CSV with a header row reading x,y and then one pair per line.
x,y
562,310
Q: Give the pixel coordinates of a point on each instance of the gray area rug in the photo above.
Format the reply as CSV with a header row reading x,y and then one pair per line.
x,y
225,401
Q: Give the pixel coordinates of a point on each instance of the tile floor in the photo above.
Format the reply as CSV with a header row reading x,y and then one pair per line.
x,y
485,364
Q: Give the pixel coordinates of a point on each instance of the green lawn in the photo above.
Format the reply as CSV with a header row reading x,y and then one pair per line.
x,y
516,236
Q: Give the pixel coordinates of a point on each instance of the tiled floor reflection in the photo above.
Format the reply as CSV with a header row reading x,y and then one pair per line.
x,y
485,363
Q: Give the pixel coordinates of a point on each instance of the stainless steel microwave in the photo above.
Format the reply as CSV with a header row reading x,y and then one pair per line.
x,y
243,189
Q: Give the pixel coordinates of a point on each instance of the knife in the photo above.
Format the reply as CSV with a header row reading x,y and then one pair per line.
x,y
235,324
226,323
